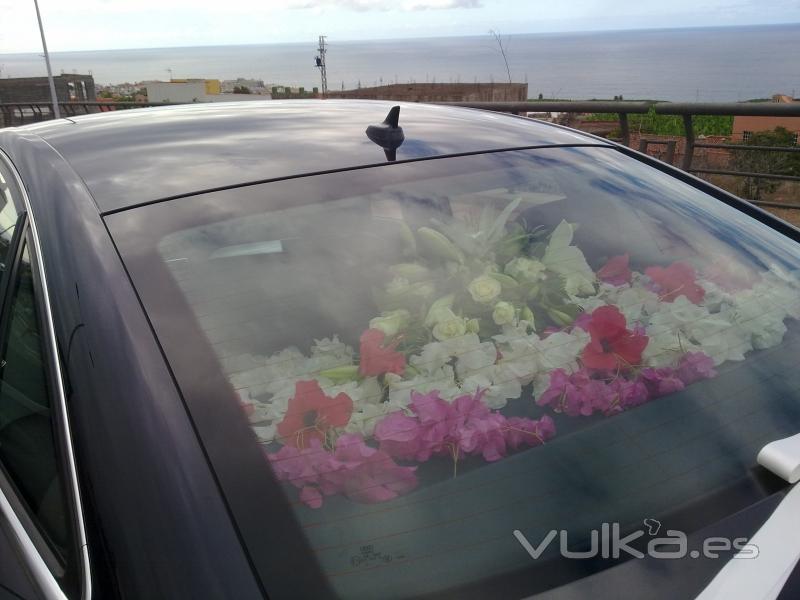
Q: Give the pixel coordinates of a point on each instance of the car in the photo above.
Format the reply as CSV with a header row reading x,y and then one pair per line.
x,y
312,349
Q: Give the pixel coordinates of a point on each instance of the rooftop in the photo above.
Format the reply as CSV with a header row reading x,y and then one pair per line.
x,y
136,156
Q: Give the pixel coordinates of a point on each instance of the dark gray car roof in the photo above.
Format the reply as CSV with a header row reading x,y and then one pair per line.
x,y
137,156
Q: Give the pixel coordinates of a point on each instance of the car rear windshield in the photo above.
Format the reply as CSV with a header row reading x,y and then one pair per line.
x,y
403,373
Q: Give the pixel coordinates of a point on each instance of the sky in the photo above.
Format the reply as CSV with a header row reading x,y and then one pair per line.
x,y
114,24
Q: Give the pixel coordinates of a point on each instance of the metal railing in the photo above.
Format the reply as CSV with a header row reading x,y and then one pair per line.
x,y
686,110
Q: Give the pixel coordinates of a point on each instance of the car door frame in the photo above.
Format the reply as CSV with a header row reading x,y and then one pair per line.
x,y
19,527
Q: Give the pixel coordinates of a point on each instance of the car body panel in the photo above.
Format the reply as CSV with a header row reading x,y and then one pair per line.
x,y
133,157
139,459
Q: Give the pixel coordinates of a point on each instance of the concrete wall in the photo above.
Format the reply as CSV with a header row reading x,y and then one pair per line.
x,y
194,91
754,124
440,92
164,91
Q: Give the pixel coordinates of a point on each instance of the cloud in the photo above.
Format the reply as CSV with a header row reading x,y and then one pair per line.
x,y
387,5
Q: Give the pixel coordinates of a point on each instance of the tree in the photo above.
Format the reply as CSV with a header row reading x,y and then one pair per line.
x,y
241,89
758,161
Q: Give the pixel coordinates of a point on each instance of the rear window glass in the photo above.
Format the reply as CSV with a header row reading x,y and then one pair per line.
x,y
433,356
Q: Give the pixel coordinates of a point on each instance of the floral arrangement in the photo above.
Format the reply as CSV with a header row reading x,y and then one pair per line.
x,y
475,318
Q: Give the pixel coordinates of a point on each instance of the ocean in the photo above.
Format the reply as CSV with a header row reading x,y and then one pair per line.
x,y
702,64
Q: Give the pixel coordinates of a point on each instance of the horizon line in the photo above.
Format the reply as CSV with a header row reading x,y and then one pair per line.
x,y
428,37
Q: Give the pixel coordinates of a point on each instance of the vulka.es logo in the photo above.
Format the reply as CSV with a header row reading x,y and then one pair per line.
x,y
607,542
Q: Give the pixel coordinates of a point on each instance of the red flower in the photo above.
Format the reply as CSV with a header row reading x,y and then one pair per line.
x,y
678,279
616,270
613,346
376,358
311,414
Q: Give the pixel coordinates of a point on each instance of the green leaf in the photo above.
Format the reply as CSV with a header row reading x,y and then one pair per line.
x,y
339,375
437,244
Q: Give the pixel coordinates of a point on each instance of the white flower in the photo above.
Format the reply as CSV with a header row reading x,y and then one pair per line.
x,y
503,313
449,326
665,347
526,269
636,302
761,312
496,383
442,380
440,309
476,359
721,339
484,289
682,326
568,261
391,322
560,350
780,293
590,303
328,354
398,285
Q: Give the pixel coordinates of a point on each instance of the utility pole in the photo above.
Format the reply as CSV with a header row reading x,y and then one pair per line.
x,y
53,96
320,62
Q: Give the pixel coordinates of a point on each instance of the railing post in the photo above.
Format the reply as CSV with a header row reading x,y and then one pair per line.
x,y
624,129
670,156
689,131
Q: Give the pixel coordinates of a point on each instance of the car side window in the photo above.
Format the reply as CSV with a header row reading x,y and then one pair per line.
x,y
29,453
8,214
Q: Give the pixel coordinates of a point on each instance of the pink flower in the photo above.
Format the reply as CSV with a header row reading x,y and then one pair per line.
x,y
311,496
661,381
467,427
581,394
435,417
520,431
616,271
369,475
304,467
420,436
478,430
361,473
695,366
678,279
399,435
630,393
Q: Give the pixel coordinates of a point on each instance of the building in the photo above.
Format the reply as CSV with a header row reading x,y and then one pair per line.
x,y
744,127
440,92
185,91
256,86
69,88
285,92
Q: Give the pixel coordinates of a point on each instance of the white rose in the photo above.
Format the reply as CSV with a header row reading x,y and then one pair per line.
x,y
397,285
392,322
439,310
503,313
449,325
484,289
